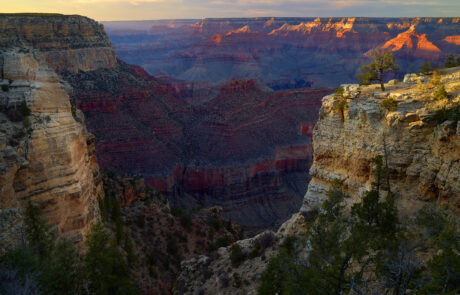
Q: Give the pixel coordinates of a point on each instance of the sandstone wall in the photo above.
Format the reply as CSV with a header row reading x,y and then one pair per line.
x,y
69,43
46,157
423,153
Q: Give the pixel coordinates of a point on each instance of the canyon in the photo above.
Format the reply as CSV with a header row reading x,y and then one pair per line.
x,y
242,140
419,139
246,149
82,119
281,52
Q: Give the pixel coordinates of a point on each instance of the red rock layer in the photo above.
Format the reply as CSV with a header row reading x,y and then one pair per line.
x,y
246,150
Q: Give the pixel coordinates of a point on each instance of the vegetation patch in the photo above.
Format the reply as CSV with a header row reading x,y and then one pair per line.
x,y
445,114
440,93
389,103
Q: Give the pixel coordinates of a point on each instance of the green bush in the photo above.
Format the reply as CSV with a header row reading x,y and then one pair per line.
x,y
444,114
5,87
340,107
24,109
236,255
339,92
451,61
440,93
216,223
436,78
389,104
105,268
255,252
426,68
73,109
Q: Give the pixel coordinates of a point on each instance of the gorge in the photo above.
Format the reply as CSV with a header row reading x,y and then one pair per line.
x,y
165,117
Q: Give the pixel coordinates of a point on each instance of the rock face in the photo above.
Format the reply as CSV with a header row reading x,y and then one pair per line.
x,y
46,155
316,51
242,147
423,149
69,43
246,149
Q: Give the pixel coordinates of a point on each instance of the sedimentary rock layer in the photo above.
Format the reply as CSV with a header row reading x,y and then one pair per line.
x,y
422,146
69,43
315,51
46,157
246,149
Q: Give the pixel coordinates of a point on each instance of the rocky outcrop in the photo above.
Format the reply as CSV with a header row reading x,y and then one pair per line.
x,y
422,143
69,43
216,274
46,155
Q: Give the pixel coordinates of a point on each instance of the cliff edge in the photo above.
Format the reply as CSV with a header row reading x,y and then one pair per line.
x,y
47,156
418,133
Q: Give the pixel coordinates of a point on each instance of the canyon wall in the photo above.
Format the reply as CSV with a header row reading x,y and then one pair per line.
x,y
421,140
46,156
246,149
283,52
243,147
68,43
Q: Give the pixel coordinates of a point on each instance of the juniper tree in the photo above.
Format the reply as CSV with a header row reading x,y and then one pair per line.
x,y
381,64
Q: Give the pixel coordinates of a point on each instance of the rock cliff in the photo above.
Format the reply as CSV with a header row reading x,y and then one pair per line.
x,y
68,43
246,149
46,155
422,141
419,137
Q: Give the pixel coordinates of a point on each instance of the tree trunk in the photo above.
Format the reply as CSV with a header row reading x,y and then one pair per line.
x,y
381,82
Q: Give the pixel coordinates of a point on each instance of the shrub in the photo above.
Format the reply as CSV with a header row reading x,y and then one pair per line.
x,y
447,114
236,280
216,223
73,109
129,248
451,61
26,123
436,78
25,111
5,87
426,68
389,104
339,92
255,252
105,268
340,107
236,256
440,93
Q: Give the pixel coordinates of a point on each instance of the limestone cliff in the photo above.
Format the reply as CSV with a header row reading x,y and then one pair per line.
x,y
422,145
46,155
68,43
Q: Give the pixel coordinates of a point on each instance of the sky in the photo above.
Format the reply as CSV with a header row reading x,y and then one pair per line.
x,y
106,10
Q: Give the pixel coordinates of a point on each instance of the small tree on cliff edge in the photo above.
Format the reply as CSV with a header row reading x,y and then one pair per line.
x,y
381,63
